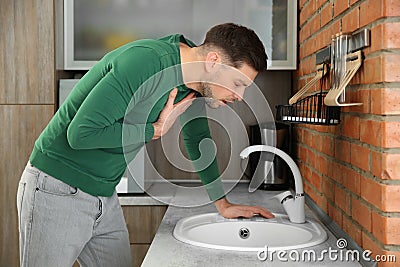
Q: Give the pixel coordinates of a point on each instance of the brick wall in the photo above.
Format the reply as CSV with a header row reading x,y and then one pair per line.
x,y
352,170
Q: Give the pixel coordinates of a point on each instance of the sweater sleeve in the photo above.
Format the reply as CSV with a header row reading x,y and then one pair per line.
x,y
200,148
99,121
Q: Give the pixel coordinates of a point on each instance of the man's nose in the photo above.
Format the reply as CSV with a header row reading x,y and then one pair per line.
x,y
238,97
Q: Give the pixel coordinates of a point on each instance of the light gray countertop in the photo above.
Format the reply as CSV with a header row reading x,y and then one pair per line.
x,y
138,200
165,250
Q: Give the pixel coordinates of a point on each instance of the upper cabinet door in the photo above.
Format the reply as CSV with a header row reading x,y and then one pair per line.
x,y
27,57
92,28
274,21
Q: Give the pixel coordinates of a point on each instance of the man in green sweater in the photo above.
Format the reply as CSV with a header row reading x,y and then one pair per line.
x,y
67,205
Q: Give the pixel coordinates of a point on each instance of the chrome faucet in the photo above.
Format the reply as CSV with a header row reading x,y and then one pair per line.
x,y
294,206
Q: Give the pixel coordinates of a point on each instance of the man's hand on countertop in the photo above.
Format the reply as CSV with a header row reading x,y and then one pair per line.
x,y
230,210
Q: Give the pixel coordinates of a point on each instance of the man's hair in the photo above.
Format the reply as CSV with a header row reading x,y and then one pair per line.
x,y
240,45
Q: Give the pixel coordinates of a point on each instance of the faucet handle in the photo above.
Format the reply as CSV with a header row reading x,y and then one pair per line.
x,y
284,196
294,206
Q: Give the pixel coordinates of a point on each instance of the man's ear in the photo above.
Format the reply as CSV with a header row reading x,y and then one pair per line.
x,y
212,62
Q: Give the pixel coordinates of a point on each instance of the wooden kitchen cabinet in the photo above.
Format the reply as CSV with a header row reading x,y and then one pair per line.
x,y
27,101
138,252
27,55
142,223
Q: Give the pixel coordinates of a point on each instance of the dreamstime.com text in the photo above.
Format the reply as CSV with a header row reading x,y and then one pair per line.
x,y
309,255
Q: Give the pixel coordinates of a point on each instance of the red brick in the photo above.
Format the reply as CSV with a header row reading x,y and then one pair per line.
x,y
327,33
350,21
371,132
390,262
315,24
299,133
380,133
335,28
320,3
342,199
316,196
328,146
386,101
351,180
377,39
322,203
308,176
306,171
311,158
391,198
301,153
352,229
370,11
301,55
385,36
331,169
319,42
369,244
361,96
306,185
351,127
378,253
383,68
391,71
391,8
335,214
358,96
309,47
386,166
328,189
371,191
306,12
339,6
342,150
391,135
386,229
359,156
304,33
361,213
301,3
305,66
371,70
316,141
323,39
326,14
307,138
384,197
322,164
352,2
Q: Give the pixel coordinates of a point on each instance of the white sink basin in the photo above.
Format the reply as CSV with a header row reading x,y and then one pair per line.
x,y
211,230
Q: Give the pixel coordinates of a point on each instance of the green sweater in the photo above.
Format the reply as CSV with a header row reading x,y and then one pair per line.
x,y
110,113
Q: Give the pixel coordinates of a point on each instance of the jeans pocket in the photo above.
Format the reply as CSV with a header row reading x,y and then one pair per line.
x,y
54,186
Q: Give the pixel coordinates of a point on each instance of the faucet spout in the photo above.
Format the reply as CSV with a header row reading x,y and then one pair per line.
x,y
294,206
292,165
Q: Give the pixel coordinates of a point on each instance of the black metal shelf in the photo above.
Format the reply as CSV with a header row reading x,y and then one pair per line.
x,y
309,110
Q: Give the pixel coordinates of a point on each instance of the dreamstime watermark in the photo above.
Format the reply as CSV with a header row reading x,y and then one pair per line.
x,y
310,255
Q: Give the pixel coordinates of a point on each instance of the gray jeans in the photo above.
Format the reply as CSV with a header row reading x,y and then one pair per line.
x,y
59,224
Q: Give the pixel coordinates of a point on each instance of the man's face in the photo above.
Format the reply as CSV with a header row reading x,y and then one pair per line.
x,y
227,85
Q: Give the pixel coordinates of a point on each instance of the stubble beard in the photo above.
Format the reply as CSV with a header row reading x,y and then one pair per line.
x,y
206,91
